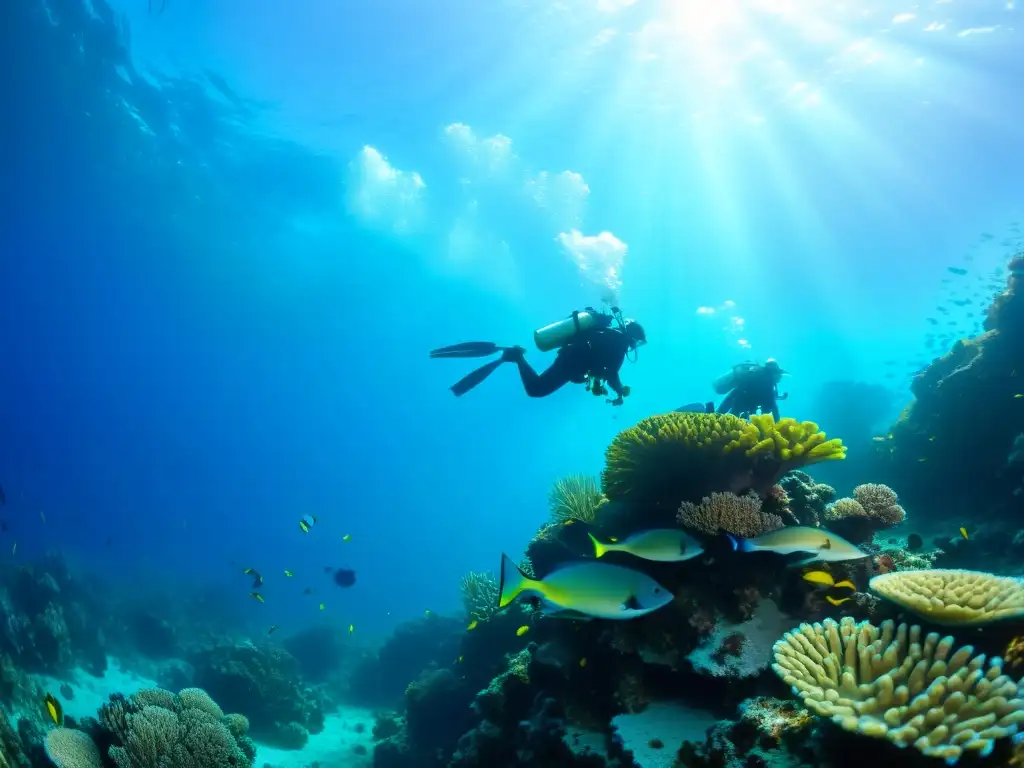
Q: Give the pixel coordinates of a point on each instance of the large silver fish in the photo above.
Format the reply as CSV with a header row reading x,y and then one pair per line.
x,y
817,543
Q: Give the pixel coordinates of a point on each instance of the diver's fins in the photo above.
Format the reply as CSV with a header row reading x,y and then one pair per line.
x,y
463,385
468,349
691,408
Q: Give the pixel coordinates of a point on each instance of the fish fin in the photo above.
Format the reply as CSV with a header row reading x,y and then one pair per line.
x,y
599,548
564,613
805,559
739,544
513,581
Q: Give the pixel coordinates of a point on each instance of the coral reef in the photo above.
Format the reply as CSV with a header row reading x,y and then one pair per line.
x,y
47,624
380,679
575,497
948,449
479,596
264,684
807,498
739,515
873,508
738,650
891,682
676,457
157,729
951,597
70,748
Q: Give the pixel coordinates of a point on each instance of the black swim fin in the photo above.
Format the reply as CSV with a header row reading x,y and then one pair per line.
x,y
691,408
468,382
468,349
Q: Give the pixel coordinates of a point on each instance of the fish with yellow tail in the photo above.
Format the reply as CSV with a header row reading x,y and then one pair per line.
x,y
663,545
817,544
837,592
585,590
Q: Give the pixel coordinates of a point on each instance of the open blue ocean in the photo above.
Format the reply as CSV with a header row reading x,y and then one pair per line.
x,y
631,383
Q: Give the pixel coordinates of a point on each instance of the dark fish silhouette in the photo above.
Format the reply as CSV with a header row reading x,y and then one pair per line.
x,y
345,577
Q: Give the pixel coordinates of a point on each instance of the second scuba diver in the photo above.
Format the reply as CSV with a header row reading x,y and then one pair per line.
x,y
591,348
750,386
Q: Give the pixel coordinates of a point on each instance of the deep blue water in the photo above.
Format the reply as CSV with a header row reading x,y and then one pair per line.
x,y
228,249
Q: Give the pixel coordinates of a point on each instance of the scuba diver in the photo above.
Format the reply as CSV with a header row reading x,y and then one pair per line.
x,y
591,346
749,386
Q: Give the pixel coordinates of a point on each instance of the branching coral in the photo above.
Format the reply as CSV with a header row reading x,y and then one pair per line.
x,y
890,682
156,729
677,457
872,508
574,497
479,596
739,515
953,597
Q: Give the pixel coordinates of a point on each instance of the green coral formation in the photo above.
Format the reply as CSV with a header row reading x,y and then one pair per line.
x,y
676,457
574,497
891,682
156,729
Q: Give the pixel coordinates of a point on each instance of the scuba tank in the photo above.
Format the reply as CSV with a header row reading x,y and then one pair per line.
x,y
725,384
560,333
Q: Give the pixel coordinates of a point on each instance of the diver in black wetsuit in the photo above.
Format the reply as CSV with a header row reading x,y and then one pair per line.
x,y
751,386
591,349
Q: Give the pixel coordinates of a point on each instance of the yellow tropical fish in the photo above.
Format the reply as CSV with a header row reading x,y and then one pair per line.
x,y
835,601
53,709
1018,396
845,584
351,628
819,577
963,532
288,573
459,660
522,630
321,606
256,596
347,537
473,625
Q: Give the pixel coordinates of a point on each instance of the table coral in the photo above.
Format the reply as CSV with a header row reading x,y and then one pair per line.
x,y
953,597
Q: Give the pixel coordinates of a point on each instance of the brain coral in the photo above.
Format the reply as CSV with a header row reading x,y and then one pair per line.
x,y
676,457
953,597
886,682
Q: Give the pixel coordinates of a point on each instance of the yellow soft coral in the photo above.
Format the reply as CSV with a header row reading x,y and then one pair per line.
x,y
953,597
893,682
675,457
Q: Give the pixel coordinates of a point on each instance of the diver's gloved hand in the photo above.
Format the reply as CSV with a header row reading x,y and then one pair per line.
x,y
625,392
617,401
784,395
513,354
